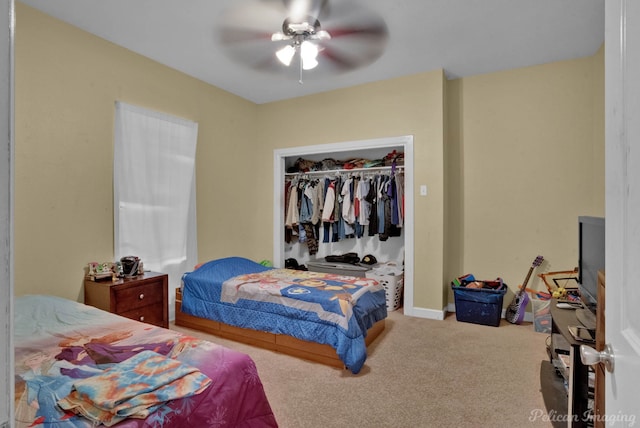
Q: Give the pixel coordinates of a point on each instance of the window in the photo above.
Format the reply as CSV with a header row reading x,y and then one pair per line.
x,y
154,191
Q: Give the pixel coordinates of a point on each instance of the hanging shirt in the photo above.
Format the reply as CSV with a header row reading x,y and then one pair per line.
x,y
356,199
393,196
306,205
337,206
380,196
347,202
318,202
400,198
365,206
329,202
292,217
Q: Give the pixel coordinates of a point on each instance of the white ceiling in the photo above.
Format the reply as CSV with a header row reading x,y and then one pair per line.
x,y
463,37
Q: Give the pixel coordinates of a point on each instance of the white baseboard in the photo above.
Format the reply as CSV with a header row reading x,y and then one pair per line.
x,y
432,314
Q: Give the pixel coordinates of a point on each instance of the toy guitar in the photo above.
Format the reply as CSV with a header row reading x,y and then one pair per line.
x,y
515,312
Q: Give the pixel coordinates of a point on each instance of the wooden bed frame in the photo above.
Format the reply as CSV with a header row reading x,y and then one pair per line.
x,y
289,345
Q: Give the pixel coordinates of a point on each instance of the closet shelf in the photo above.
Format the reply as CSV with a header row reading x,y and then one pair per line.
x,y
342,171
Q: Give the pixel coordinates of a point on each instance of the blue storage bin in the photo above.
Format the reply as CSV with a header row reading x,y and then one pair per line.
x,y
479,305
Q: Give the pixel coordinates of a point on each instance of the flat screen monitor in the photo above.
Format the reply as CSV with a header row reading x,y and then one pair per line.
x,y
591,258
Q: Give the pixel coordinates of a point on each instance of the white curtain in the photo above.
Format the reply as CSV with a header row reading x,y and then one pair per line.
x,y
154,191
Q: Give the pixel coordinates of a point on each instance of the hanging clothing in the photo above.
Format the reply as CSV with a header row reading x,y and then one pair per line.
x,y
347,205
337,213
365,205
348,213
393,196
293,213
372,198
348,216
288,233
381,196
337,228
317,199
306,205
400,198
312,241
356,198
329,202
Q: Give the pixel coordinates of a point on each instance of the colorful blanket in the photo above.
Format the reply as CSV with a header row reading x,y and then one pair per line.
x,y
330,297
133,388
324,308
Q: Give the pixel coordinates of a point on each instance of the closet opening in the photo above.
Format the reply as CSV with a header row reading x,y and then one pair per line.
x,y
329,160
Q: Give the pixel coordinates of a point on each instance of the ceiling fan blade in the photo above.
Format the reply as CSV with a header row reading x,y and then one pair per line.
x,y
355,44
231,35
345,58
261,59
358,36
347,20
339,60
256,15
378,31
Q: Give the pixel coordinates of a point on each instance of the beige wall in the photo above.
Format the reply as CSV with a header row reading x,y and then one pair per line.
x,y
522,142
412,105
525,158
67,82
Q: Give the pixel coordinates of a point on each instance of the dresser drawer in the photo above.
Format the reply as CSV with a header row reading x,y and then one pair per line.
x,y
148,314
138,296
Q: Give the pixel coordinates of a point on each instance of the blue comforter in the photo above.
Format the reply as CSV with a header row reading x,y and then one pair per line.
x,y
330,309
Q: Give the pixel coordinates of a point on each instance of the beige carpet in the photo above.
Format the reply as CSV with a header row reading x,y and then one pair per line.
x,y
419,373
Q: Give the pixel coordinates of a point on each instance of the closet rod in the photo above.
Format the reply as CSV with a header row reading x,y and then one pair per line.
x,y
341,171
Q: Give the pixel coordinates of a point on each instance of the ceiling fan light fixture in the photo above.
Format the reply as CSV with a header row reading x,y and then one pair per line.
x,y
309,63
323,35
285,55
309,53
276,37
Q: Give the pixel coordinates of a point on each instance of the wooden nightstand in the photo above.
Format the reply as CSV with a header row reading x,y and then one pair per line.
x,y
141,298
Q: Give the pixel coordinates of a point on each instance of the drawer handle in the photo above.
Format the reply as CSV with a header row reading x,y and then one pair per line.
x,y
142,318
141,296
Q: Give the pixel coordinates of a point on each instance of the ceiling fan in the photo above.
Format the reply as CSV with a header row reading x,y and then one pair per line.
x,y
323,36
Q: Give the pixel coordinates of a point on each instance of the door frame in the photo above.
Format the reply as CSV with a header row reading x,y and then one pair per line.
x,y
7,163
279,170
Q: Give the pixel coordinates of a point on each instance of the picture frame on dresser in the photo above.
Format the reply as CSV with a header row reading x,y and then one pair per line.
x,y
142,298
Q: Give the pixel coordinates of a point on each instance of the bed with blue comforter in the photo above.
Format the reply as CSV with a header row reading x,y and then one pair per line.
x,y
328,309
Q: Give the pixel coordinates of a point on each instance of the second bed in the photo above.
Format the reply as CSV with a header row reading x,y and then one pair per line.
x,y
323,317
